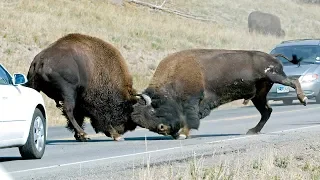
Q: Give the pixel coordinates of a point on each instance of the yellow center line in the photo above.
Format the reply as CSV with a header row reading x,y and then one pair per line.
x,y
208,121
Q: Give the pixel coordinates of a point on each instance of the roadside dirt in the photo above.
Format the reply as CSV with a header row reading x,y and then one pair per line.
x,y
289,155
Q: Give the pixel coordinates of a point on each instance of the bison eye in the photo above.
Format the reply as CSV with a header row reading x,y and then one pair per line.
x,y
161,127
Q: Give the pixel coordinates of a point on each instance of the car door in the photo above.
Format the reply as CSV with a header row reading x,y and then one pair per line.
x,y
11,123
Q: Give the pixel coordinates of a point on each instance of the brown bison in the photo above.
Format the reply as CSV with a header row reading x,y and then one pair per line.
x,y
188,84
86,77
265,23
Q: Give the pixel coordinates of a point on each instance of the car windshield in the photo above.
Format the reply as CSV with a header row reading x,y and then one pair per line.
x,y
310,54
4,79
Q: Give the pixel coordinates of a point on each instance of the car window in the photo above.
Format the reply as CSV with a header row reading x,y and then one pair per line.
x,y
308,53
4,77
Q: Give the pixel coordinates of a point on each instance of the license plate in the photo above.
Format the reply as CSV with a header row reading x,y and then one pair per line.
x,y
282,89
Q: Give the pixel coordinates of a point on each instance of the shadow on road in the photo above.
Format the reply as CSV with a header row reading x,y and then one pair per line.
x,y
305,124
6,159
149,138
64,141
281,104
293,104
214,135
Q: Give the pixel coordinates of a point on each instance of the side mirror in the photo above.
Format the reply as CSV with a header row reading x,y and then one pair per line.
x,y
19,79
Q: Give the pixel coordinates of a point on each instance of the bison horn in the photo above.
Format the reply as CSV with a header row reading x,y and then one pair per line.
x,y
147,99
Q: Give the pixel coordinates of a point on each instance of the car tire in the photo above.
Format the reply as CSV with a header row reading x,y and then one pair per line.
x,y
36,142
318,98
287,101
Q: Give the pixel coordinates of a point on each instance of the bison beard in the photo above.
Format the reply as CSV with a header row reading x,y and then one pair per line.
x,y
86,77
188,84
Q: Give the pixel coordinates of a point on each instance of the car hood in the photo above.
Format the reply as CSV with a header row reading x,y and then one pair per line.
x,y
301,70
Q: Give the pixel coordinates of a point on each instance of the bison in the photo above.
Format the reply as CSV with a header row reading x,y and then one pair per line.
x,y
265,23
188,84
86,77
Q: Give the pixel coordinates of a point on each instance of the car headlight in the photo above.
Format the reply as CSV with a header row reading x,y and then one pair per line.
x,y
309,77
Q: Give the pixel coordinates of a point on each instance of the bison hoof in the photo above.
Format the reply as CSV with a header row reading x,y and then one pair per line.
x,y
120,138
252,131
81,137
305,101
180,137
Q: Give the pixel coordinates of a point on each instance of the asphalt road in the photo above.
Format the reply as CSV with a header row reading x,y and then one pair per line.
x,y
65,158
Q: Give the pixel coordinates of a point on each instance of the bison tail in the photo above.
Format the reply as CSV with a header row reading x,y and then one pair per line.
x,y
31,75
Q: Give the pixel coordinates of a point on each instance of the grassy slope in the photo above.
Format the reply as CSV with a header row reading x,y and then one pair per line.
x,y
144,36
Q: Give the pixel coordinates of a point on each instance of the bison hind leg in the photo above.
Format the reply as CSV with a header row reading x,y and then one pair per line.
x,y
68,111
261,103
79,117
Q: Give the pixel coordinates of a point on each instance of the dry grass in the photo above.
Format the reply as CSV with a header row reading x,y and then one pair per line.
x,y
143,36
271,163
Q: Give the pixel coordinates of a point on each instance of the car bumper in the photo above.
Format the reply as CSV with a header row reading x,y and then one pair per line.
x,y
311,90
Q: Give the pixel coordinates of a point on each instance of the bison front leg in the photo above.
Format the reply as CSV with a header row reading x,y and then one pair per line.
x,y
261,103
183,133
112,132
191,120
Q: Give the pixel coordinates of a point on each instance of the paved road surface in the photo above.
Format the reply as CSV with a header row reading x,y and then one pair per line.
x,y
64,157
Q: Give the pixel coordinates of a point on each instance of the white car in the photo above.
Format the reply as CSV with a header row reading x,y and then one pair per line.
x,y
23,121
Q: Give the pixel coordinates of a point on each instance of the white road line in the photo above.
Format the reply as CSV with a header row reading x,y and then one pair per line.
x,y
288,130
94,160
160,150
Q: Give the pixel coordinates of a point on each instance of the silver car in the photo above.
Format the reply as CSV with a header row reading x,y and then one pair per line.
x,y
308,72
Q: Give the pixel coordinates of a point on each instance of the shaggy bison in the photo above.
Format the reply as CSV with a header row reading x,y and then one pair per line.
x,y
86,77
265,23
188,84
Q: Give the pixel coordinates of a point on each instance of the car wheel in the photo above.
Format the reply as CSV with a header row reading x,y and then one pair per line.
x,y
318,98
287,101
36,142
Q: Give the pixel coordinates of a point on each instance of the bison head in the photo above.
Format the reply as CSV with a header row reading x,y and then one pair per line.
x,y
159,114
